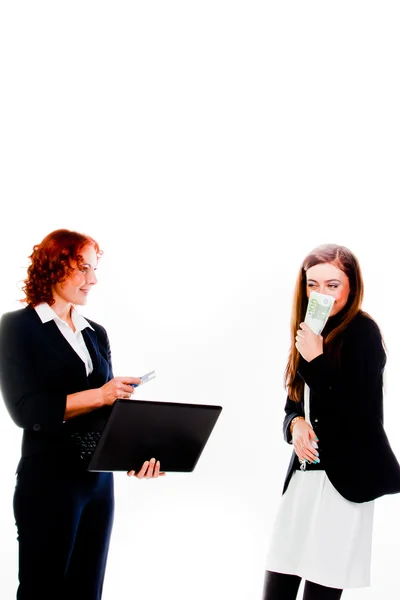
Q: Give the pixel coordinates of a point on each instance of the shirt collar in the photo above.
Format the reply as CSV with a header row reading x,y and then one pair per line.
x,y
46,314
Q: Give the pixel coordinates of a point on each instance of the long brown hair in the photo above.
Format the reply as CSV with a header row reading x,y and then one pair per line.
x,y
51,263
341,257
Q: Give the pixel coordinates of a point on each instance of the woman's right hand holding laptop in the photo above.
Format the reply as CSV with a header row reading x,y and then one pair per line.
x,y
149,470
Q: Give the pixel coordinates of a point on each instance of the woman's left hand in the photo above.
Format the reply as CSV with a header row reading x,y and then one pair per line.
x,y
309,344
149,470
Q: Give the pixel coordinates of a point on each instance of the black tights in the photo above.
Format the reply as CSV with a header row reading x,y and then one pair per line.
x,y
278,586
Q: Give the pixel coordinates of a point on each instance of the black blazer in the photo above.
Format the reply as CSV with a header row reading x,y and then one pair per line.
x,y
346,412
38,369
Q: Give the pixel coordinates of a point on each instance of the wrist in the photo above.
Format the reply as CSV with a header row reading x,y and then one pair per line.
x,y
293,423
100,397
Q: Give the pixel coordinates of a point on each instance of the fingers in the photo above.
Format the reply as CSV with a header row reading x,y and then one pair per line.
x,y
143,470
306,448
301,336
126,391
305,327
306,453
157,472
305,330
149,470
130,380
308,343
127,386
124,387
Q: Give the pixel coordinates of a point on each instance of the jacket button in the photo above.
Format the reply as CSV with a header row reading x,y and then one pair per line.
x,y
36,427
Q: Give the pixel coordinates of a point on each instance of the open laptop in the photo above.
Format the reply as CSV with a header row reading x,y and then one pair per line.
x,y
138,430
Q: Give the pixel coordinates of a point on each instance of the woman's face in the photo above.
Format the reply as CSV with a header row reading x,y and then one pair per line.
x,y
326,278
76,287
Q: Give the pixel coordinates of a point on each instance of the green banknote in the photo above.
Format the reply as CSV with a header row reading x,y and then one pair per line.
x,y
318,311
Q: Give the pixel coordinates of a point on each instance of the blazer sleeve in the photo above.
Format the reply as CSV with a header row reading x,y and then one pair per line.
x,y
356,384
29,406
105,342
292,410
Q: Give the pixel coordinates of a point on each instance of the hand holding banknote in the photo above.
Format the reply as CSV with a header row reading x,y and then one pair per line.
x,y
309,341
309,344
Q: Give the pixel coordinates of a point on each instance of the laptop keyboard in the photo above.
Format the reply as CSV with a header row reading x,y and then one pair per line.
x,y
86,442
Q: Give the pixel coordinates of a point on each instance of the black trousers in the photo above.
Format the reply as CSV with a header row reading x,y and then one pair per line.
x,y
279,586
64,517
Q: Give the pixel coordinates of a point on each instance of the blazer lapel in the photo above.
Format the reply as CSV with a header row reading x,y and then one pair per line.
x,y
92,345
63,348
61,345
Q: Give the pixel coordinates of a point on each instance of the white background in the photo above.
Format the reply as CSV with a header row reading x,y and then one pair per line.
x,y
208,146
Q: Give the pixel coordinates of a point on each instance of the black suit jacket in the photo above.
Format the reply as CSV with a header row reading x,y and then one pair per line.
x,y
346,406
38,369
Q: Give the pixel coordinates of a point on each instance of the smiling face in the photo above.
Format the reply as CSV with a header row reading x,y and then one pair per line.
x,y
76,287
327,278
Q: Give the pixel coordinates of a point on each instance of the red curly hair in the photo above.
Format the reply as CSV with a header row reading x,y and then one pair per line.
x,y
51,263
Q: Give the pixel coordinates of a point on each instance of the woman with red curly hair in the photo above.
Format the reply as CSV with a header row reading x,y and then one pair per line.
x,y
57,383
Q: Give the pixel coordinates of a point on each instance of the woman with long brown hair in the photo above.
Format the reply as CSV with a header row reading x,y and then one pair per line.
x,y
342,460
58,385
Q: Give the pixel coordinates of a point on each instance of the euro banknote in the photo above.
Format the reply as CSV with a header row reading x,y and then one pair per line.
x,y
318,310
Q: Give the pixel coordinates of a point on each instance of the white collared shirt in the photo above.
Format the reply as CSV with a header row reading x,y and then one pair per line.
x,y
75,338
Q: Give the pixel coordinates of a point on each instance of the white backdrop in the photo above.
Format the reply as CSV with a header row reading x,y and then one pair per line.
x,y
208,147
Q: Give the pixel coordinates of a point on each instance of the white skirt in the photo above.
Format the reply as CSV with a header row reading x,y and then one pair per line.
x,y
320,536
